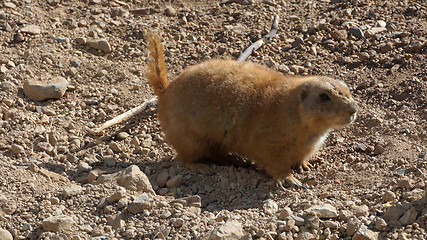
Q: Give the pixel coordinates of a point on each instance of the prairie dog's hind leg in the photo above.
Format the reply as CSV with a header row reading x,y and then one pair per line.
x,y
191,152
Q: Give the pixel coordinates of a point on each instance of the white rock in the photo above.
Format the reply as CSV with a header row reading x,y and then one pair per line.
x,y
39,91
122,135
101,44
330,224
58,223
323,211
270,207
363,233
231,230
5,235
31,29
306,236
414,195
360,210
132,178
7,4
141,203
72,190
84,167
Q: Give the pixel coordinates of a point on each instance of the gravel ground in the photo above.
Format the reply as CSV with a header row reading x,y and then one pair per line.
x,y
67,66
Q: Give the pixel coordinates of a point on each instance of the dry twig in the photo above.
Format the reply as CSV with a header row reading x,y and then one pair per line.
x,y
124,116
254,46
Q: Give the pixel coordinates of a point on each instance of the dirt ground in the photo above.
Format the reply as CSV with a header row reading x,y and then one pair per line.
x,y
58,181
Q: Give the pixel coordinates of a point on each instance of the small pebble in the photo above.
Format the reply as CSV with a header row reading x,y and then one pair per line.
x,y
388,196
170,11
175,181
357,32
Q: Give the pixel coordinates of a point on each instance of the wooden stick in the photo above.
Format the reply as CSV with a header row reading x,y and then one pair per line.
x,y
254,46
124,116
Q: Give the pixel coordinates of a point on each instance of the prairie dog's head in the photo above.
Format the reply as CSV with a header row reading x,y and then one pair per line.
x,y
326,102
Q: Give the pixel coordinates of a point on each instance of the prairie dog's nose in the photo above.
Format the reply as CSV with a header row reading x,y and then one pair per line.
x,y
353,107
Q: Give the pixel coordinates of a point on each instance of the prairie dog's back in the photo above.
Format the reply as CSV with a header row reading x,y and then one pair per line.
x,y
218,98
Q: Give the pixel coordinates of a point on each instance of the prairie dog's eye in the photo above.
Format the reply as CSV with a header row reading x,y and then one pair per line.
x,y
324,97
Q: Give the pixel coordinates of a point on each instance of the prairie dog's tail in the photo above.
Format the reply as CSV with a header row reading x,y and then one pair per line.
x,y
157,71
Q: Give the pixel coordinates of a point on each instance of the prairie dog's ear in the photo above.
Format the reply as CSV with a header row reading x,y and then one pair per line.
x,y
303,92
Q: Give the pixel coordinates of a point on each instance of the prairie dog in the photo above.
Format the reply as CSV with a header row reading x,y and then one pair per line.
x,y
219,107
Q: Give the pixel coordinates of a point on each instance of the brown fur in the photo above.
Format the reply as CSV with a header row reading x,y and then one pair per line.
x,y
157,71
223,106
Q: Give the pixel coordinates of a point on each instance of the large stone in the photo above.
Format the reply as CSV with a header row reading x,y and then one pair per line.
x,y
72,190
162,179
388,196
170,11
352,226
286,212
409,217
116,221
363,233
141,203
323,211
58,223
45,147
290,224
17,149
393,213
228,231
175,181
374,31
306,236
360,210
270,207
414,195
101,44
132,178
5,235
115,197
31,29
38,91
380,224
357,32
339,35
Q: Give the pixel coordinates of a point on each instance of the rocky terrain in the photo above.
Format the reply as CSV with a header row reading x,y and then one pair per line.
x,y
67,66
